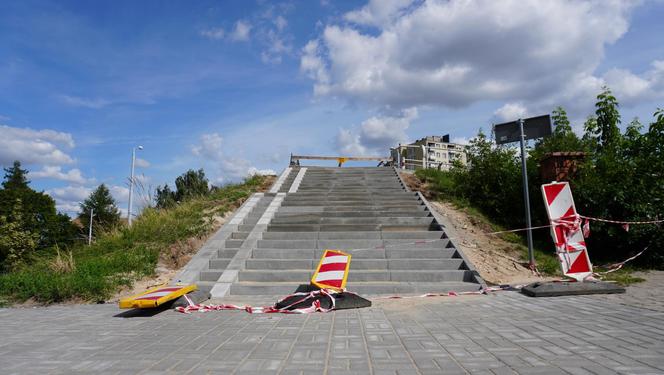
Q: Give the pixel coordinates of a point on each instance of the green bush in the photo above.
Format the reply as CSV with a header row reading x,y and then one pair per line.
x,y
622,178
124,255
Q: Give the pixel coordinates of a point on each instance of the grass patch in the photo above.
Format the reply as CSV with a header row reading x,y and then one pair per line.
x,y
122,256
623,277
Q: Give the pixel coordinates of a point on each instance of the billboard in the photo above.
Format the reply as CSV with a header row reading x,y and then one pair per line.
x,y
533,128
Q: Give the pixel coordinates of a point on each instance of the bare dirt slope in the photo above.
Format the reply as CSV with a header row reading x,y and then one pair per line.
x,y
497,261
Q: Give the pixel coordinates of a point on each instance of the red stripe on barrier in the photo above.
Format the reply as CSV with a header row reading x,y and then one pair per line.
x,y
552,192
333,267
334,283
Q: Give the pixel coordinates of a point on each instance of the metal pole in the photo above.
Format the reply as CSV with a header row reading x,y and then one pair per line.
x,y
92,210
526,195
131,184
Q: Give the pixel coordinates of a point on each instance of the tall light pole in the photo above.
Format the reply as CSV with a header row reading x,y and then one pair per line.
x,y
131,182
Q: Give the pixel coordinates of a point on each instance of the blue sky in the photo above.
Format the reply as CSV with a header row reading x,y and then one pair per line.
x,y
234,87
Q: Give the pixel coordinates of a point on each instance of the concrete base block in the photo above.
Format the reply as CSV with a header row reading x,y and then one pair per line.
x,y
557,289
343,300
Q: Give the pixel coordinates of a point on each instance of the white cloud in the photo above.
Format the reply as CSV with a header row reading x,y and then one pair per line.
x,y
76,101
632,89
241,31
224,168
348,143
461,140
70,193
377,13
277,45
120,193
280,22
214,33
55,172
210,147
454,53
34,146
261,172
510,112
142,163
68,198
376,134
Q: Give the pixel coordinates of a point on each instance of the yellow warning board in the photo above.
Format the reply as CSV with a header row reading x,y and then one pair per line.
x,y
342,161
155,297
332,270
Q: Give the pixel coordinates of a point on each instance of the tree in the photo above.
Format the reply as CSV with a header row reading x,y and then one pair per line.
x,y
38,212
15,177
105,214
608,119
562,139
164,197
190,184
560,120
16,242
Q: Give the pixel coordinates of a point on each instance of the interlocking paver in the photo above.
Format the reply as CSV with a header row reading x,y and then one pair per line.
x,y
503,333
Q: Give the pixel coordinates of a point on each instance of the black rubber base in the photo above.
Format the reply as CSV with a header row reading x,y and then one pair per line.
x,y
556,289
342,300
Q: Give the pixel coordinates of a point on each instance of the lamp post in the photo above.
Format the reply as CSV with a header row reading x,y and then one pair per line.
x,y
131,182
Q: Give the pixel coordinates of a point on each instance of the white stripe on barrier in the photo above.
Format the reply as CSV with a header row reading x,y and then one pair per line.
x,y
335,259
330,275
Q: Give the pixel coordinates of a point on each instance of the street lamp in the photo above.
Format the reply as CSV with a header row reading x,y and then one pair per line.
x,y
131,182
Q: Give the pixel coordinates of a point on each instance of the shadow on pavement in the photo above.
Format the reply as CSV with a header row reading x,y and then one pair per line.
x,y
144,313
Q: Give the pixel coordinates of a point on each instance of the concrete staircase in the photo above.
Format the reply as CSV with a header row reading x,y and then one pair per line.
x,y
230,246
396,243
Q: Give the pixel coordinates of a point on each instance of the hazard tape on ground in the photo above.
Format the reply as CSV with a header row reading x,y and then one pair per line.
x,y
315,305
486,290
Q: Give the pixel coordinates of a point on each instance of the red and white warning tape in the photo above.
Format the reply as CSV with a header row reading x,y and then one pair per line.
x,y
623,222
486,290
315,305
616,266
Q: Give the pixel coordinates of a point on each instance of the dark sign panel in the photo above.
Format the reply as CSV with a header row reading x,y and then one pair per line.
x,y
533,128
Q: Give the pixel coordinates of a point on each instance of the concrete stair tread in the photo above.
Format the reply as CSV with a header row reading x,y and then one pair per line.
x,y
362,287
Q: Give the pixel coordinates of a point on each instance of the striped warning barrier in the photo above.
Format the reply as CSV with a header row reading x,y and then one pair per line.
x,y
566,231
332,270
155,297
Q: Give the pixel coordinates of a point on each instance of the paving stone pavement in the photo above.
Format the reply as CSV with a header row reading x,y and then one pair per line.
x,y
502,333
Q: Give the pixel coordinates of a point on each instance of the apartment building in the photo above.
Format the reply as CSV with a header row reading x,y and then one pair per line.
x,y
429,152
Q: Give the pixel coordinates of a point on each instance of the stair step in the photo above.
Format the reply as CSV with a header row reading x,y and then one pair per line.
x,y
349,228
239,235
210,275
351,244
233,243
219,264
362,288
419,235
226,253
360,254
355,220
358,264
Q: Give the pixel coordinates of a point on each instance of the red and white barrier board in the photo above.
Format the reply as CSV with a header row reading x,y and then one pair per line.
x,y
332,270
566,231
